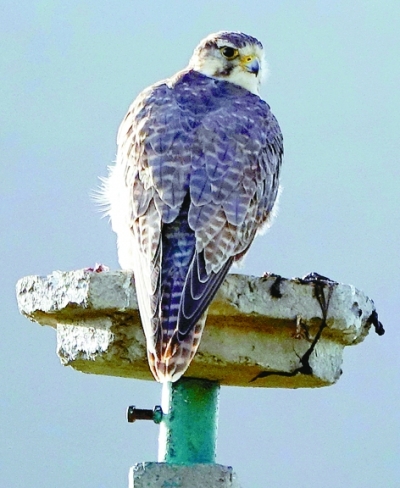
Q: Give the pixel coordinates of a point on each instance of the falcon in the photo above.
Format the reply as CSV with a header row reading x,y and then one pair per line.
x,y
195,179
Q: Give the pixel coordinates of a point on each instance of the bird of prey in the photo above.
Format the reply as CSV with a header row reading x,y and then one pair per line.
x,y
195,179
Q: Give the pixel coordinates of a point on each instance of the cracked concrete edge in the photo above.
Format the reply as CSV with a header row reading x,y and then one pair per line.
x,y
348,313
252,337
64,295
69,296
160,475
231,360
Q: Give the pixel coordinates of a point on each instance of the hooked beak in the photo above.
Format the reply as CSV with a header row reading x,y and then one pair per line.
x,y
250,63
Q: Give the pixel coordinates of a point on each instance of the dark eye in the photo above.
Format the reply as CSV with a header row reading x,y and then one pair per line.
x,y
229,52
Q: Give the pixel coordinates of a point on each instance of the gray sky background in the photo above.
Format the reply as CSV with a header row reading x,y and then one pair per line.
x,y
69,71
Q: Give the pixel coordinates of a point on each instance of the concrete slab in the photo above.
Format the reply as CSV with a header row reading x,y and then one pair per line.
x,y
261,331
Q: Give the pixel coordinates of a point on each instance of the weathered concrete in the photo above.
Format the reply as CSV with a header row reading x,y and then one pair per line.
x,y
260,332
161,475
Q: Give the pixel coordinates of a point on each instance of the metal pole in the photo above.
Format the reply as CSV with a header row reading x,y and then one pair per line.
x,y
188,430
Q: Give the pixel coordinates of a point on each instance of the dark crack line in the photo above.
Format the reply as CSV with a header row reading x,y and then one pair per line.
x,y
305,367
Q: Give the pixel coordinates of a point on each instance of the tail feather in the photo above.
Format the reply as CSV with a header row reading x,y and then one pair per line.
x,y
186,290
171,365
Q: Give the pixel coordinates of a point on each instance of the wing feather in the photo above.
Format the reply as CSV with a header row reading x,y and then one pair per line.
x,y
200,288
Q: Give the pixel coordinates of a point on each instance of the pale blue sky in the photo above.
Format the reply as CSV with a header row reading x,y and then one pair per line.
x,y
68,72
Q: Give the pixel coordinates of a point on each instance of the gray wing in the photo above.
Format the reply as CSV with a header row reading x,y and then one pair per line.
x,y
235,175
154,161
237,153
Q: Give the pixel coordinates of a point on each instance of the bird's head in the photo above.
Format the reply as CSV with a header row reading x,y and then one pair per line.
x,y
231,56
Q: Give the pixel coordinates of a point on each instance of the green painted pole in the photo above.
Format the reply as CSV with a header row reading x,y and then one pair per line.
x,y
188,430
